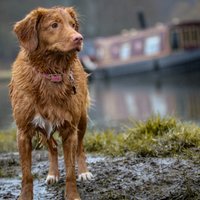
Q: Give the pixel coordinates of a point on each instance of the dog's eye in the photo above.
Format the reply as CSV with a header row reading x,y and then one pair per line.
x,y
54,25
73,25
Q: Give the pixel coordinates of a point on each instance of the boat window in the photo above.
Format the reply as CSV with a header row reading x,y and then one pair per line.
x,y
125,51
185,37
198,36
152,45
100,52
194,36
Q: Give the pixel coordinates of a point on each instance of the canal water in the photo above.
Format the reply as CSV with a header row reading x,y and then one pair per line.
x,y
120,100
115,102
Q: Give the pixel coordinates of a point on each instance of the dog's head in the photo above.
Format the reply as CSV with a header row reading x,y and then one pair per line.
x,y
55,29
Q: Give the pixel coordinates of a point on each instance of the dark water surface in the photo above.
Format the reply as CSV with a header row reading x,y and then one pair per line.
x,y
137,97
115,101
6,120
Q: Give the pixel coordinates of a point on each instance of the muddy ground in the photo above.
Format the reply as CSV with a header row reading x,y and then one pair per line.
x,y
115,178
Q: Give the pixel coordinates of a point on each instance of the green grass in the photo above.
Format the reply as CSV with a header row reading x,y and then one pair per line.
x,y
8,141
157,137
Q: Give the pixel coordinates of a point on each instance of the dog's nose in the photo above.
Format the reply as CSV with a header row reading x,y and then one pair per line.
x,y
77,38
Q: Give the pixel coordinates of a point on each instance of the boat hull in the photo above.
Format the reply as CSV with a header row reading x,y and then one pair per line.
x,y
186,60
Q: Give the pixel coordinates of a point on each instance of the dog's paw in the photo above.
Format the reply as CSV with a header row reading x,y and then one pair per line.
x,y
51,179
85,176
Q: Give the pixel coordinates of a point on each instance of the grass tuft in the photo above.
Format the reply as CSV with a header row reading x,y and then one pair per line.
x,y
162,137
155,137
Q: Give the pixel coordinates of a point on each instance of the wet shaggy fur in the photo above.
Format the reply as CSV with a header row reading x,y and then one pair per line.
x,y
49,40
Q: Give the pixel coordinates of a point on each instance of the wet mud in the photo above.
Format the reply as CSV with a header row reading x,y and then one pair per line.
x,y
121,178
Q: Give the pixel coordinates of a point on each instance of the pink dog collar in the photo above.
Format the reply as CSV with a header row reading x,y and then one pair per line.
x,y
56,78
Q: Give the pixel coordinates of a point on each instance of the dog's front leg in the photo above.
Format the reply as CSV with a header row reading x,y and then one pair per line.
x,y
69,140
83,173
53,174
25,148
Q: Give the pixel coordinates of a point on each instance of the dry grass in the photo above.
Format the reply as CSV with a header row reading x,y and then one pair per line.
x,y
155,137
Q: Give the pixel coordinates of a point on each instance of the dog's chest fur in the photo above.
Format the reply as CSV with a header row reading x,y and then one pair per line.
x,y
51,115
44,124
56,109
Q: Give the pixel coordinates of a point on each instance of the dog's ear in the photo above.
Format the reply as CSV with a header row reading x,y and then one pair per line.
x,y
74,15
26,30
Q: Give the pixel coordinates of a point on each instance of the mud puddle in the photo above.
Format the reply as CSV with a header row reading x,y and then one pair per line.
x,y
120,178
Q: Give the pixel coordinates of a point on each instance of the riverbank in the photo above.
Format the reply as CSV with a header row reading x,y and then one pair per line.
x,y
153,160
120,178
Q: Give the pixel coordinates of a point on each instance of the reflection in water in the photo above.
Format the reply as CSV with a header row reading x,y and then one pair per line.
x,y
120,99
117,100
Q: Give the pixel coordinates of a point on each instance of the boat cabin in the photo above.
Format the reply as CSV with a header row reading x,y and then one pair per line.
x,y
157,42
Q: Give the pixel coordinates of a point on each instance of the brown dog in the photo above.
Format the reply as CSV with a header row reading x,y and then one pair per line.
x,y
49,93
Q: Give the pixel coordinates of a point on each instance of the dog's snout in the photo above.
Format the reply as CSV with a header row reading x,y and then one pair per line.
x,y
77,38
